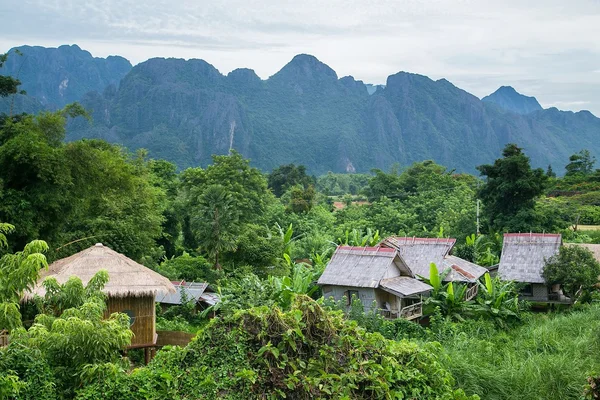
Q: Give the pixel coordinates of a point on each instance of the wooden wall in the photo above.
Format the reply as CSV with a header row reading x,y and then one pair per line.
x,y
144,325
366,295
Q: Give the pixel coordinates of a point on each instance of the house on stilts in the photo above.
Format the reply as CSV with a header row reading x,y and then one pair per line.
x,y
378,277
131,289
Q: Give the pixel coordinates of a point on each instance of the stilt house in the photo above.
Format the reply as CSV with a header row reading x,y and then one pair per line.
x,y
131,289
378,277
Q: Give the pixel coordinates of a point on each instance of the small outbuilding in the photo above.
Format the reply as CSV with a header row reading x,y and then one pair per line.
x,y
378,277
419,253
523,258
198,292
131,288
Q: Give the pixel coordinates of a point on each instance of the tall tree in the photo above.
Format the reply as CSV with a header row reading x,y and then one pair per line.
x,y
580,164
216,222
510,189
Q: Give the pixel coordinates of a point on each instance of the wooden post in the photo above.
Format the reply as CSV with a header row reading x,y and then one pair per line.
x,y
147,355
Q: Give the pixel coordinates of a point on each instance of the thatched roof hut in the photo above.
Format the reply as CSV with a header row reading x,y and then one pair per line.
x,y
524,255
131,288
126,277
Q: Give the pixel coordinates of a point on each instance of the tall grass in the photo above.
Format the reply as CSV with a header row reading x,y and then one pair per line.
x,y
549,357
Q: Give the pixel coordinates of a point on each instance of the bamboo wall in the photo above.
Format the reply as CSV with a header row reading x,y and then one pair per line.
x,y
144,326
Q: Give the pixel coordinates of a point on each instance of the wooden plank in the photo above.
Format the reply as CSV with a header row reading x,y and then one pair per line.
x,y
3,338
174,338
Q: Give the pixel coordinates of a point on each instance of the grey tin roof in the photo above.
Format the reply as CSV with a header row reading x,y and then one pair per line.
x,y
193,291
404,286
524,255
462,270
362,266
419,253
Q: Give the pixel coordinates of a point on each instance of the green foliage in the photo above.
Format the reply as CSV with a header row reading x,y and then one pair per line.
x,y
69,335
189,268
498,301
373,321
510,190
483,250
73,193
18,273
547,357
340,184
575,269
302,353
356,237
447,299
581,163
287,176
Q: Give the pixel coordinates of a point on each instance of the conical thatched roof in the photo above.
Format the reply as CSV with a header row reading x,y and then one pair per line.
x,y
126,277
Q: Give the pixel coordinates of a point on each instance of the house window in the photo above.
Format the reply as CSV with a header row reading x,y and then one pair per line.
x,y
527,290
349,295
131,316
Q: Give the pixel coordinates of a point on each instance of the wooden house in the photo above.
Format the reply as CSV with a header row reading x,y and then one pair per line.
x,y
131,289
419,253
378,277
523,258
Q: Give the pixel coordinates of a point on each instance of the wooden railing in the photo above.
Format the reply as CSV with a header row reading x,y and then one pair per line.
x,y
412,311
471,292
3,338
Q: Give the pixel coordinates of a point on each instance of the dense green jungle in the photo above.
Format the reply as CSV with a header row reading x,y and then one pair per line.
x,y
261,240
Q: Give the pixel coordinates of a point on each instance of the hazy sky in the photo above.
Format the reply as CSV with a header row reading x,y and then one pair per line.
x,y
548,48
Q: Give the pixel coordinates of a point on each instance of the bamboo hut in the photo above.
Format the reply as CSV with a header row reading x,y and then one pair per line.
x,y
419,253
523,258
378,277
131,289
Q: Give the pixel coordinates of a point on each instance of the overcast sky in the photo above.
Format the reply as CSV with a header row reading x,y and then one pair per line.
x,y
549,49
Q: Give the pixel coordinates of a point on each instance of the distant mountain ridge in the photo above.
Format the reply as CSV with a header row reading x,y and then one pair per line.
x,y
184,111
507,98
54,77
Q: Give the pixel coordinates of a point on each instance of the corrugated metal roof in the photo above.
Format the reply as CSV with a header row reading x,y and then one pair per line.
x,y
193,291
524,255
462,270
419,253
362,266
404,286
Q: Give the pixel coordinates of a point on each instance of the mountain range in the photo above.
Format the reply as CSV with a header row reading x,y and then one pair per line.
x,y
184,111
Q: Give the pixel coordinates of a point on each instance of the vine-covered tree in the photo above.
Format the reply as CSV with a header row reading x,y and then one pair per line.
x,y
510,189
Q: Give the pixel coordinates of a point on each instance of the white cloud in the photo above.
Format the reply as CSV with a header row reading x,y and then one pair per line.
x,y
545,48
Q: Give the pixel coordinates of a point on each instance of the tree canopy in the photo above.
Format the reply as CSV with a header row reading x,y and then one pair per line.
x,y
510,189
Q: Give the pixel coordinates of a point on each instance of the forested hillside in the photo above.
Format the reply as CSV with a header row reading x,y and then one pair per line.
x,y
184,111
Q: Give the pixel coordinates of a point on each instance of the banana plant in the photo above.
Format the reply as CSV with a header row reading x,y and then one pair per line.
x,y
498,300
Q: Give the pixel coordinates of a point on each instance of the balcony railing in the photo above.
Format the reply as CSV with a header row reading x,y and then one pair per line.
x,y
412,311
471,292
